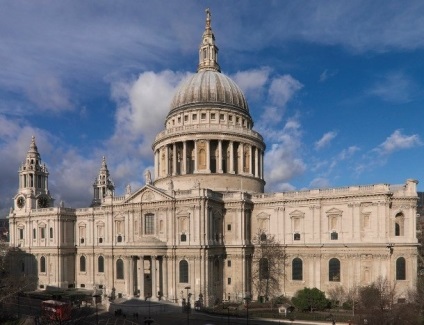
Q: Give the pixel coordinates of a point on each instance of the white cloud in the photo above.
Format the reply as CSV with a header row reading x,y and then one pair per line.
x,y
398,141
394,88
283,160
282,89
48,93
326,74
319,182
252,81
325,140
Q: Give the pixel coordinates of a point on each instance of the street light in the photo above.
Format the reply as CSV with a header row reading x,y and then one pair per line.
x,y
188,304
247,299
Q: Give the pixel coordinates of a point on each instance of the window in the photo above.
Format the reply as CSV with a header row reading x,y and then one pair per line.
x,y
149,224
185,118
296,236
42,264
21,233
42,233
230,117
194,117
297,269
120,269
229,227
212,116
221,117
399,224
334,270
334,235
263,237
82,264
400,269
179,120
229,281
203,116
263,269
119,239
100,240
183,271
183,237
100,264
229,263
51,232
34,233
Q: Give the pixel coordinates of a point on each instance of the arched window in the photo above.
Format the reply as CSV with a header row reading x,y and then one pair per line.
x,y
183,237
400,269
334,270
51,232
82,264
263,269
42,264
297,269
100,264
399,224
183,271
120,269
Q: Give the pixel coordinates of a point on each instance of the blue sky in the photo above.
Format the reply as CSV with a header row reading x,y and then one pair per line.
x,y
335,87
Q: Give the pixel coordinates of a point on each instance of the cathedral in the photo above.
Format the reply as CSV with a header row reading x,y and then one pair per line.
x,y
192,225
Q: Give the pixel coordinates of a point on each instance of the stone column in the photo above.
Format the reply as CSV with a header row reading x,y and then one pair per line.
x,y
261,168
220,156
184,159
141,276
231,144
250,161
156,169
195,157
208,156
153,275
174,159
256,162
165,276
129,276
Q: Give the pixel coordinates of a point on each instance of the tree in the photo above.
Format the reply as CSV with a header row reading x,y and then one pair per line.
x,y
337,295
269,261
12,282
310,299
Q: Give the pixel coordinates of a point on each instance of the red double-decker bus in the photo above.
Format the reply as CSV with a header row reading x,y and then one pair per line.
x,y
56,310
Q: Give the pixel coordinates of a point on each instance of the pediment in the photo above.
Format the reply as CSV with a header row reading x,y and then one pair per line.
x,y
263,215
334,211
297,213
148,193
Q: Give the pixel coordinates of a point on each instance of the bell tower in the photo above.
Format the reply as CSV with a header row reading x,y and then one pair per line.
x,y
102,184
33,190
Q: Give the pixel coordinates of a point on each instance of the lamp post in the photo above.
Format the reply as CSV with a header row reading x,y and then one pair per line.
x,y
188,304
96,296
247,299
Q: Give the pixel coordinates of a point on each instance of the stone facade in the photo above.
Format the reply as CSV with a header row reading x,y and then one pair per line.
x,y
192,224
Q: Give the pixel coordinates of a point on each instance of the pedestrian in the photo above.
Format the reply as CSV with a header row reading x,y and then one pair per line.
x,y
334,322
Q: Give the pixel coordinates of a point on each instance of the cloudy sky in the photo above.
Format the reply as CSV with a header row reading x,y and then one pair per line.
x,y
335,87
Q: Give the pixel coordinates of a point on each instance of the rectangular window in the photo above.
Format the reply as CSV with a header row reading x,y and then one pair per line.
x,y
203,116
230,117
194,117
185,118
229,263
212,116
42,233
21,233
51,232
221,117
149,224
229,227
229,281
179,120
34,233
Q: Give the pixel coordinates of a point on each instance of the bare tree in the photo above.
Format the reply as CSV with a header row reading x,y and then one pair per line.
x,y
269,262
337,295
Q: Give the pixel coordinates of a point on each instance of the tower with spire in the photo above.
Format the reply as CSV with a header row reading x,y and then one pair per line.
x,y
33,189
102,184
208,51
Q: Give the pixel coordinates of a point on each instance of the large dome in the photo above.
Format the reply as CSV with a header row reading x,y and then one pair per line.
x,y
209,87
